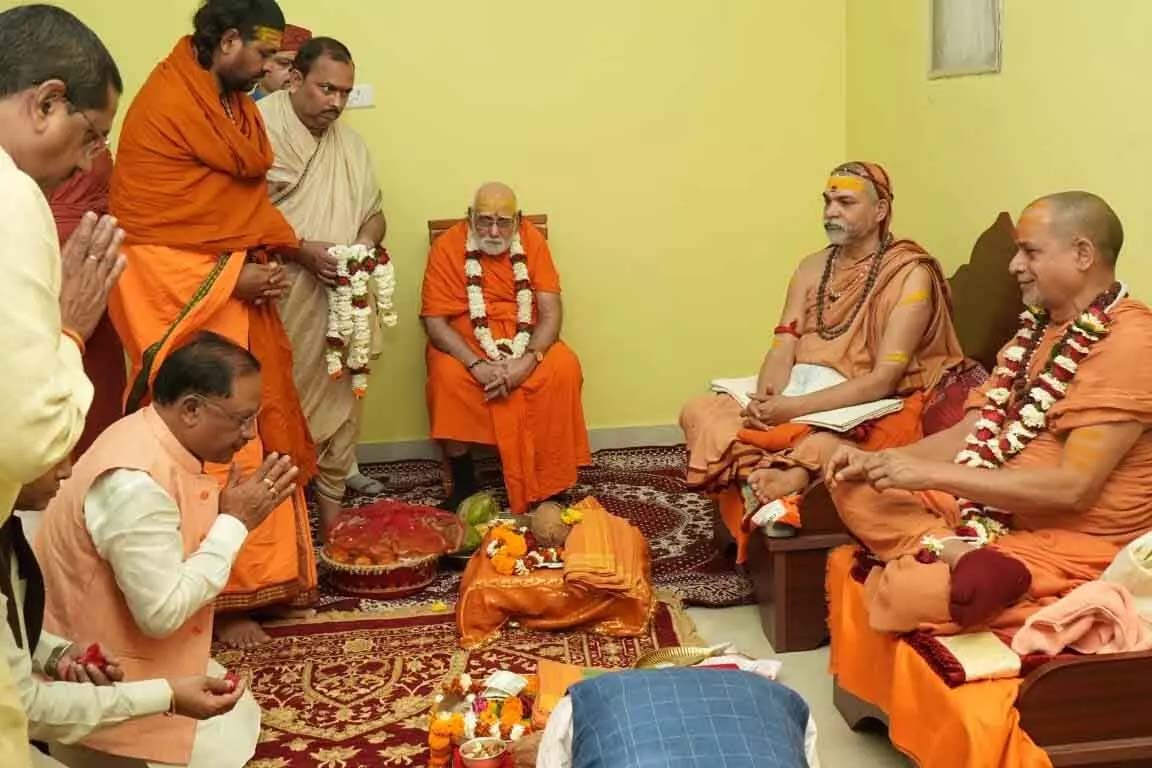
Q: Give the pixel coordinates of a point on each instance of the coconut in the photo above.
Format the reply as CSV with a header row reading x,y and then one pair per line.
x,y
547,526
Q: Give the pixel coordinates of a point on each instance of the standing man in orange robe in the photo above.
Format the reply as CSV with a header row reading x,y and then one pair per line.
x,y
498,373
189,189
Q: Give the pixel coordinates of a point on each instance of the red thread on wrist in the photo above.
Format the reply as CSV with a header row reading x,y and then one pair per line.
x,y
789,329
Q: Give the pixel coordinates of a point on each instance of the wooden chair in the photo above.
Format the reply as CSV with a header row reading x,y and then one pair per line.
x,y
437,227
788,574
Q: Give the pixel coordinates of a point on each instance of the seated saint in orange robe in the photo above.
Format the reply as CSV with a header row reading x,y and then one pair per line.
x,y
498,373
103,352
189,190
875,310
1050,473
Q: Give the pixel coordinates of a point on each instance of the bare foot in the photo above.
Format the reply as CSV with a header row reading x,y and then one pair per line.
x,y
771,484
239,630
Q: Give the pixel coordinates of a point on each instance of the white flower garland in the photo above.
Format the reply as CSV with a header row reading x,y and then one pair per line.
x,y
349,334
499,349
1000,433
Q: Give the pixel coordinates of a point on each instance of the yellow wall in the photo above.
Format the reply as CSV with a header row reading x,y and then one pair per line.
x,y
1068,111
677,147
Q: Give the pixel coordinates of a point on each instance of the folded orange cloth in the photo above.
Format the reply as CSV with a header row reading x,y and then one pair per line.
x,y
594,558
1096,617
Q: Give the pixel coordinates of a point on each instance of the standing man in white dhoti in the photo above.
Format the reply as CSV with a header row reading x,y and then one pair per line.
x,y
324,184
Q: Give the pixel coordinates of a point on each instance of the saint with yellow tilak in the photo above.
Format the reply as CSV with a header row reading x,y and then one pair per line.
x,y
498,373
865,318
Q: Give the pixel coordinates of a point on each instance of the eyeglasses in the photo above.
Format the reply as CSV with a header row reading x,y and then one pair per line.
x,y
485,223
97,142
242,422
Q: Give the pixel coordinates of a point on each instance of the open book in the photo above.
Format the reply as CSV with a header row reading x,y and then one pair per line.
x,y
805,379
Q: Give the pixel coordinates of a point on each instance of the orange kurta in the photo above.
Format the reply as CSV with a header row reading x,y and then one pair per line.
x,y
539,428
1112,385
190,193
975,724
605,585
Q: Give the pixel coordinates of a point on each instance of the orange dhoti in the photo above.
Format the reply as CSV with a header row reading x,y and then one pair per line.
x,y
975,724
906,594
538,429
164,298
604,586
786,445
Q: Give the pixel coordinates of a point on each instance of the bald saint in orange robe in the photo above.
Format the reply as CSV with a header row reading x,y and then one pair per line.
x,y
532,413
189,190
1071,498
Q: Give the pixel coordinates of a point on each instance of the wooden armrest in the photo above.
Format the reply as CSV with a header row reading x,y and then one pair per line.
x,y
818,514
1089,698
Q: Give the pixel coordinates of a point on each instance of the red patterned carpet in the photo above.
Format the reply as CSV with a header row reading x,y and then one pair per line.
x,y
643,485
354,690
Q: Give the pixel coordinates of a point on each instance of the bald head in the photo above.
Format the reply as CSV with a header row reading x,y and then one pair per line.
x,y
1085,215
493,218
495,198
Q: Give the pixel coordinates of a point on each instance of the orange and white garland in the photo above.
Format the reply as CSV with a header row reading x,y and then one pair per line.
x,y
513,552
499,349
1003,429
349,336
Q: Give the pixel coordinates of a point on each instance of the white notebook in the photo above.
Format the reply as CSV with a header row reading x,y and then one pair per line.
x,y
805,379
849,417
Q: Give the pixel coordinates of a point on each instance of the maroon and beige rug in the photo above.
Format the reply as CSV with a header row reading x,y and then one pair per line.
x,y
642,485
353,690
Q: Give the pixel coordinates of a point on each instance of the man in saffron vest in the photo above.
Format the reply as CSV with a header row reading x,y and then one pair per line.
x,y
498,373
1033,494
869,317
189,189
141,539
66,697
323,183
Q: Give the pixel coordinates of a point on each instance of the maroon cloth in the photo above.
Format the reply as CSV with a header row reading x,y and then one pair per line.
x,y
104,356
945,405
984,583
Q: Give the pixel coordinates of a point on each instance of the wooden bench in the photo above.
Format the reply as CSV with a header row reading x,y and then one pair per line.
x,y
788,574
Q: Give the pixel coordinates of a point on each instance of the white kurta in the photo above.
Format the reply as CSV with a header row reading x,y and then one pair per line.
x,y
44,391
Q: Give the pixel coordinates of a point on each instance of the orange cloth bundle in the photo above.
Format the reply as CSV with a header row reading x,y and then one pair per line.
x,y
592,562
584,594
